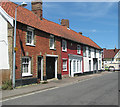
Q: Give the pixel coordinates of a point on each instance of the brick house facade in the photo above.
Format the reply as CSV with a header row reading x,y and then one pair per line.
x,y
39,42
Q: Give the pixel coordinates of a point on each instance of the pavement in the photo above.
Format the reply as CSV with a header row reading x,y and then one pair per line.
x,y
18,91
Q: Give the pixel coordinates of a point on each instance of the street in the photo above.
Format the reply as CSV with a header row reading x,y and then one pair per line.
x,y
102,90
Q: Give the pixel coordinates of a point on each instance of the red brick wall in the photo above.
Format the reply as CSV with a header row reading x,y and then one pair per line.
x,y
71,49
41,48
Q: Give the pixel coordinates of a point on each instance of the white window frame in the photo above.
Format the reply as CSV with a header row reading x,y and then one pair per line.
x,y
64,65
78,49
29,67
53,44
32,38
64,43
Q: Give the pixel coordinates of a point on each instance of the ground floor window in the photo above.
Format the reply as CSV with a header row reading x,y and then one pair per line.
x,y
64,64
74,67
26,66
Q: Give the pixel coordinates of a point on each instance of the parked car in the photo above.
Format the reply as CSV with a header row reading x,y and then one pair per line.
x,y
106,68
111,68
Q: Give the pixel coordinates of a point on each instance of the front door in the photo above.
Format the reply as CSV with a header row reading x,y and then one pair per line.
x,y
50,67
39,67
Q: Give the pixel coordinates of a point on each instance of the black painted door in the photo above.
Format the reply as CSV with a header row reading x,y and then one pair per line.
x,y
50,67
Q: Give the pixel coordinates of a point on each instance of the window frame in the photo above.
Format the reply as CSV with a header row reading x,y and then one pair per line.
x,y
64,65
30,29
89,52
84,51
29,67
53,38
99,54
64,41
78,49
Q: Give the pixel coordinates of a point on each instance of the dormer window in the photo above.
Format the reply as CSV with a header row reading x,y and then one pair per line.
x,y
52,42
64,45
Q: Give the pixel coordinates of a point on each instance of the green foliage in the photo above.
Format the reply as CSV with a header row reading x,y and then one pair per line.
x,y
7,85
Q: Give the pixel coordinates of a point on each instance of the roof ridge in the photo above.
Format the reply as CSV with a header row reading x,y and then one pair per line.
x,y
29,18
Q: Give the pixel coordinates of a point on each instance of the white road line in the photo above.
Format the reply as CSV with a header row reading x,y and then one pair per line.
x,y
50,89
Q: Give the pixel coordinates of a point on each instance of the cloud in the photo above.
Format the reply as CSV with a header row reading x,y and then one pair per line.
x,y
93,10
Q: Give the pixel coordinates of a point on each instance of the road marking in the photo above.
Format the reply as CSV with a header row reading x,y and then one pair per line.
x,y
28,94
77,81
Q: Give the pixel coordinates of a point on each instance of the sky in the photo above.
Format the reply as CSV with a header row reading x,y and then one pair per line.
x,y
96,20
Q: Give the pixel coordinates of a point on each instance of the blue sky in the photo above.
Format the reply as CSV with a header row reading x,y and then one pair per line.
x,y
97,20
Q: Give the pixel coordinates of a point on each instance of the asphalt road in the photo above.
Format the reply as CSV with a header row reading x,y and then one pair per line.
x,y
101,90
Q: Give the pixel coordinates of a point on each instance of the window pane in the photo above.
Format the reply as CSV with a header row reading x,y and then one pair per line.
x,y
29,37
51,42
74,66
25,65
64,64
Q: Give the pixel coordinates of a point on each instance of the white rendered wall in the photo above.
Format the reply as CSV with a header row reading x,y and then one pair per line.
x,y
4,61
86,60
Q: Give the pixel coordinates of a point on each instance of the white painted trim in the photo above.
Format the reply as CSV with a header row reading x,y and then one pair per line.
x,y
26,74
41,68
6,16
56,67
49,55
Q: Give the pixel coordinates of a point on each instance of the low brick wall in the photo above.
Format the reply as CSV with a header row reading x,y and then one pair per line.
x,y
4,75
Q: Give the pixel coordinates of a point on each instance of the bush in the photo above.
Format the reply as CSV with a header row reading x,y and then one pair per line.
x,y
7,85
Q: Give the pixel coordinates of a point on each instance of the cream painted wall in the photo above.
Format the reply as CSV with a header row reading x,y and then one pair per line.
x,y
4,61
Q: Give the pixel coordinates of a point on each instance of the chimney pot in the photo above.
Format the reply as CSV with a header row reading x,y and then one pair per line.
x,y
80,33
65,22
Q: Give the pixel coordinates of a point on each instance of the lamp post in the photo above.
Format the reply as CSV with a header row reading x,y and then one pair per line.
x,y
14,49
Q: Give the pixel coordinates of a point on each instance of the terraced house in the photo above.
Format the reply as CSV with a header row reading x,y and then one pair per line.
x,y
44,49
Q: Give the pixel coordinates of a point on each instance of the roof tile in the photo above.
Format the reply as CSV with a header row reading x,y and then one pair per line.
x,y
27,17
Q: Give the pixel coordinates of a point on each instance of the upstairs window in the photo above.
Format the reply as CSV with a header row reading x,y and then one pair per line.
x,y
89,52
95,53
52,42
30,36
99,54
64,45
78,49
84,51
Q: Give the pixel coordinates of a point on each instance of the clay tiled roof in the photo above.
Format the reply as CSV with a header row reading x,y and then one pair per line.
x,y
27,17
110,53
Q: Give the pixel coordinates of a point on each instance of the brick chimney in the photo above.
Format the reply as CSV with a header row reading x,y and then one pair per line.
x,y
37,8
65,22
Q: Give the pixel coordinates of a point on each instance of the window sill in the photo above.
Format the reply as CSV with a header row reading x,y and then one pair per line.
x,y
30,45
64,50
65,70
53,49
26,74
